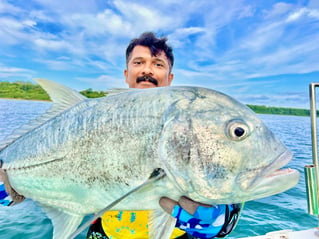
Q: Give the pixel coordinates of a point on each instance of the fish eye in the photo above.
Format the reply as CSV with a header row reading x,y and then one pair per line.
x,y
237,130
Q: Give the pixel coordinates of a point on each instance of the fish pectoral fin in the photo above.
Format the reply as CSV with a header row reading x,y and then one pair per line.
x,y
64,224
161,224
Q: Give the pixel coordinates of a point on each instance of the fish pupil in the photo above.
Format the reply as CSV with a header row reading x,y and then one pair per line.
x,y
239,132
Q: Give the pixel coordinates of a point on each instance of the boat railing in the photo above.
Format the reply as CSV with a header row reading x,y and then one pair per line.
x,y
312,171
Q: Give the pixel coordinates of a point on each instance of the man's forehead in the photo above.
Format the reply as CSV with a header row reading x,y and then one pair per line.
x,y
143,51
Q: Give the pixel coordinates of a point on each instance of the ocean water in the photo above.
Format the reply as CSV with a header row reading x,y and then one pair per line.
x,y
286,210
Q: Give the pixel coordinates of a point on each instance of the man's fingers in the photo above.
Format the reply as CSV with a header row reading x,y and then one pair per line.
x,y
189,205
167,204
3,175
186,203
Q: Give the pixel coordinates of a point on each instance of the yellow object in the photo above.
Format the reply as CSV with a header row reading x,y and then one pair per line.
x,y
129,224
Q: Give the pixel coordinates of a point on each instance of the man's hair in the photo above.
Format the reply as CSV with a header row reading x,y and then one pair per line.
x,y
156,45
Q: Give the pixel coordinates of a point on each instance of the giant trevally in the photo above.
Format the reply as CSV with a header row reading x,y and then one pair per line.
x,y
85,153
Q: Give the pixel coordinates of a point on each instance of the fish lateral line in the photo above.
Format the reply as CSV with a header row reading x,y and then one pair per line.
x,y
15,167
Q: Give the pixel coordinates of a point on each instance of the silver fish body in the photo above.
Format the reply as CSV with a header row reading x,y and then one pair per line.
x,y
92,151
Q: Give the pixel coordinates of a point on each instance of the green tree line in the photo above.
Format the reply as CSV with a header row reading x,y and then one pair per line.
x,y
29,91
22,90
261,109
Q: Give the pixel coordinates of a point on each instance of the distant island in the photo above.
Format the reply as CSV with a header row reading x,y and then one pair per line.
x,y
29,91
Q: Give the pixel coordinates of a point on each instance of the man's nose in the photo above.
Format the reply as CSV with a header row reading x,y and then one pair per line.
x,y
147,70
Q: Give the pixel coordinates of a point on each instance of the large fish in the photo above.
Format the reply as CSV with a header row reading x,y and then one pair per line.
x,y
86,153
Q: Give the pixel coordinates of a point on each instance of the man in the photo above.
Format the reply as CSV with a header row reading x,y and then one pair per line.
x,y
149,63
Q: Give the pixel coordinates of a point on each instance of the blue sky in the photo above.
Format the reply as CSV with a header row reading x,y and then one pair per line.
x,y
259,52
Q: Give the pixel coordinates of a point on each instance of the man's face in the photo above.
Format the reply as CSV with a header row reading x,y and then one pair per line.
x,y
147,71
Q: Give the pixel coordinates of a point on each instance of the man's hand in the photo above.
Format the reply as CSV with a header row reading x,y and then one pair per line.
x,y
197,219
7,192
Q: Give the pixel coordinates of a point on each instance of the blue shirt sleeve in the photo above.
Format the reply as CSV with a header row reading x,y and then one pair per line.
x,y
206,222
5,199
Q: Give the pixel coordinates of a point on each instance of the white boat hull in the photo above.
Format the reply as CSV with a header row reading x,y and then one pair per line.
x,y
289,234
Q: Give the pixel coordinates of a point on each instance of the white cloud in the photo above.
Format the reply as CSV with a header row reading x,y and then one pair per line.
x,y
179,37
313,4
303,12
10,31
272,47
40,15
59,64
68,6
296,15
51,44
6,7
29,23
314,13
214,41
104,82
293,100
278,9
145,17
106,22
8,72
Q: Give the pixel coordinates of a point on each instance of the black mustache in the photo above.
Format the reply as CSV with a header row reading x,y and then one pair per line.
x,y
147,78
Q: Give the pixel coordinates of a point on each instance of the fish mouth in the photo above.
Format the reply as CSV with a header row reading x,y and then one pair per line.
x,y
274,167
274,183
273,175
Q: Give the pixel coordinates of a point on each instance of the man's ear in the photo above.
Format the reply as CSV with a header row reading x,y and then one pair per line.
x,y
125,75
170,78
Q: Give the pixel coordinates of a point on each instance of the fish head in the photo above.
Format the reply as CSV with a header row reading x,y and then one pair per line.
x,y
217,150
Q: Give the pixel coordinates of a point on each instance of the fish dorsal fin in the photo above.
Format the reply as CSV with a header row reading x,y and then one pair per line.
x,y
62,98
161,224
59,94
64,224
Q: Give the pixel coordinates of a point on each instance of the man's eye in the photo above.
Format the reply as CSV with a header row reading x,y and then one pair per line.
x,y
137,62
159,64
